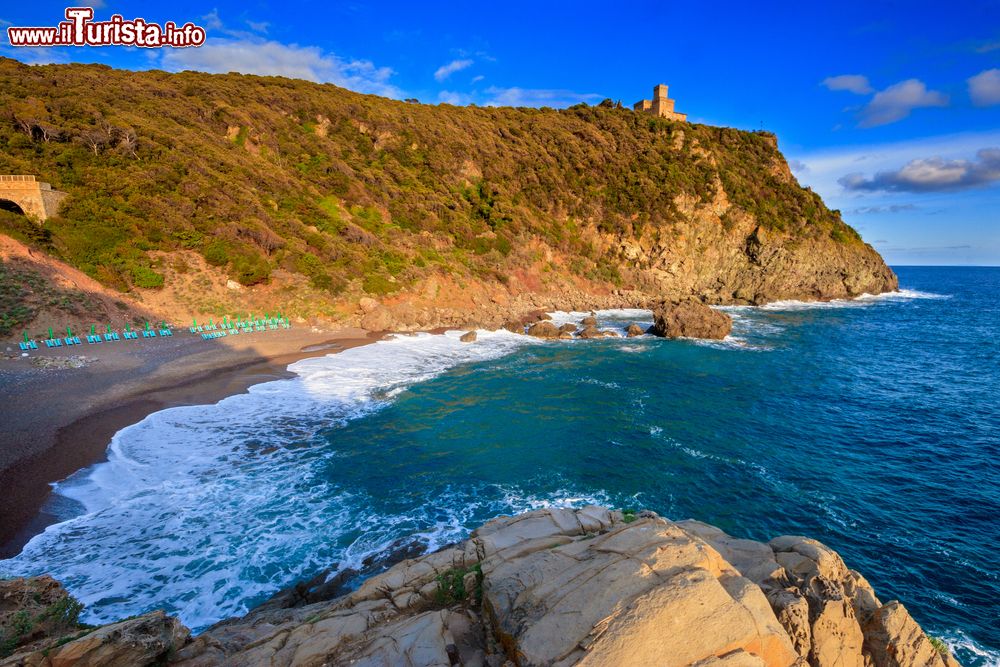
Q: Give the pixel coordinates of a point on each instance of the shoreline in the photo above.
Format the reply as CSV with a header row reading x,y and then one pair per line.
x,y
52,431
78,435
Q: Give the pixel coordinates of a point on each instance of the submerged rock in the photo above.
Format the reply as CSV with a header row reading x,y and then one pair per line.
x,y
689,318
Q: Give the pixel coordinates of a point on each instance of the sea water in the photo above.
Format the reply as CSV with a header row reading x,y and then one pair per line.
x,y
872,425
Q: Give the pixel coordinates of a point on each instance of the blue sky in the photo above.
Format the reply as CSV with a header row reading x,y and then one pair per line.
x,y
890,110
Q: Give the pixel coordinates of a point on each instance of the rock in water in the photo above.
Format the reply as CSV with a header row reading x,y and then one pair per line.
x,y
568,328
514,326
634,330
468,337
689,318
543,329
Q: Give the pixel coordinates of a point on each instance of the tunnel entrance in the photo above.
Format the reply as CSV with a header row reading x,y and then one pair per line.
x,y
8,205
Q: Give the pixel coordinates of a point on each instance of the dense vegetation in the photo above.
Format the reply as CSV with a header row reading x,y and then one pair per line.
x,y
257,173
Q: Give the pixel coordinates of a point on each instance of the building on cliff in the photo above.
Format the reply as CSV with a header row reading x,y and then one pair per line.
x,y
660,105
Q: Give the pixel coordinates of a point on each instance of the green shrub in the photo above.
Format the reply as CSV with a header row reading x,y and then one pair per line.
x,y
146,278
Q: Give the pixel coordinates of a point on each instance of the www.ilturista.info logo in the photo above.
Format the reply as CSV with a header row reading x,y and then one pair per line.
x,y
79,29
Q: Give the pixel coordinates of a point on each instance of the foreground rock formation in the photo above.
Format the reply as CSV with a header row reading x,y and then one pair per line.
x,y
557,587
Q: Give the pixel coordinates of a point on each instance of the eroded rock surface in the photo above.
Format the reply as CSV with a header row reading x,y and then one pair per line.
x,y
689,318
560,587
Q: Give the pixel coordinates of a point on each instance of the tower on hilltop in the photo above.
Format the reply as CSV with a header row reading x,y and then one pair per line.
x,y
661,105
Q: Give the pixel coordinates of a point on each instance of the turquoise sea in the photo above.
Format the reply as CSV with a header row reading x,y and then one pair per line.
x,y
872,425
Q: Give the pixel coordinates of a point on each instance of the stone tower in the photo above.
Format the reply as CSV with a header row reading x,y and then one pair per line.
x,y
661,105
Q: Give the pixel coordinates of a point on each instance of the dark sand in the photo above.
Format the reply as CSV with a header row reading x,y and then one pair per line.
x,y
54,421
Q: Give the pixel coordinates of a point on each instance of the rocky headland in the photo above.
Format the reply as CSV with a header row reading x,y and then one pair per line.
x,y
591,586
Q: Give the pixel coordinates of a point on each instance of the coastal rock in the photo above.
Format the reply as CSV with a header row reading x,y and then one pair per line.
x,y
588,586
893,639
590,332
689,318
378,319
43,602
568,328
143,640
468,337
622,597
514,326
544,329
367,304
634,330
589,321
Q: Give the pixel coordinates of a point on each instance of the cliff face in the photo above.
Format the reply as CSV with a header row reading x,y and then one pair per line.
x,y
556,587
186,189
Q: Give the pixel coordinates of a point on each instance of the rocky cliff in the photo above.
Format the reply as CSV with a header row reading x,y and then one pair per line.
x,y
202,194
549,587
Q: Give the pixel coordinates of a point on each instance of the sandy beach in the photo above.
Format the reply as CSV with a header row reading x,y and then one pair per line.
x,y
57,418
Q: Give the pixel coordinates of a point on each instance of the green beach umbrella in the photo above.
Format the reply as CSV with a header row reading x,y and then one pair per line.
x,y
50,333
25,336
109,328
92,326
69,332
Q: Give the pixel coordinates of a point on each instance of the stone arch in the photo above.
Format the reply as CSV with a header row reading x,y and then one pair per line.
x,y
23,193
12,206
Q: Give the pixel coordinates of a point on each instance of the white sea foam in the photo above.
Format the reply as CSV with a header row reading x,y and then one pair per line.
x,y
964,647
859,301
200,509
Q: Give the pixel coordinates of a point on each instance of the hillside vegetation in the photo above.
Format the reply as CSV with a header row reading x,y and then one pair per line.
x,y
314,189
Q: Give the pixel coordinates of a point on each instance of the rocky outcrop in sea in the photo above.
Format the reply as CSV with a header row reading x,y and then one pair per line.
x,y
591,586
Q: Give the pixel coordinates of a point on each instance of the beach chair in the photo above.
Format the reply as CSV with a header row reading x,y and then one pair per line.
x,y
108,337
166,332
24,347
33,345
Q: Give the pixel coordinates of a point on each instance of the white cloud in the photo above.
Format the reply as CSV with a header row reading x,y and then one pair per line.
x,y
211,20
826,168
456,98
448,69
984,88
537,97
934,174
897,101
270,58
477,79
258,26
854,83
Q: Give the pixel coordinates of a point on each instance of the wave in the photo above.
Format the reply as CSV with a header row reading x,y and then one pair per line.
x,y
967,650
858,301
204,509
